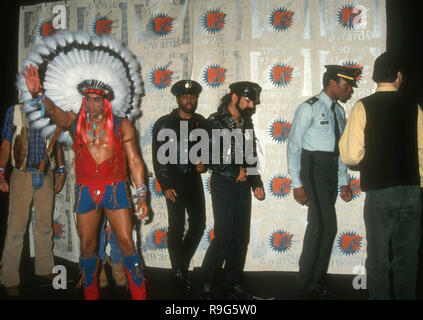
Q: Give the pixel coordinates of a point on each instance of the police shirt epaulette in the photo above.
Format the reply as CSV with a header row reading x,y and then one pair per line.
x,y
312,100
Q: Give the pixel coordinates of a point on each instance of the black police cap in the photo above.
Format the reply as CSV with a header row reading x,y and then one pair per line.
x,y
186,87
349,74
248,89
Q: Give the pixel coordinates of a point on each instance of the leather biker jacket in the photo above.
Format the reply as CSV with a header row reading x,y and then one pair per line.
x,y
167,174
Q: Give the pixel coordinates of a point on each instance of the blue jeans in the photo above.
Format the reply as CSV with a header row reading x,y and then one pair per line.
x,y
392,218
231,203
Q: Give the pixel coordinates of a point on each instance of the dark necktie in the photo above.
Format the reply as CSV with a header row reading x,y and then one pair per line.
x,y
337,135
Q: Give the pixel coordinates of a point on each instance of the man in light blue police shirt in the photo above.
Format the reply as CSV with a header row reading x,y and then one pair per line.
x,y
315,167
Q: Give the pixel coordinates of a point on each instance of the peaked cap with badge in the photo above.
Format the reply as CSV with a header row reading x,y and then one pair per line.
x,y
248,89
349,74
186,87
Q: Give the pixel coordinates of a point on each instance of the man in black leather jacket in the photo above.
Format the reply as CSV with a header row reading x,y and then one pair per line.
x,y
180,179
234,175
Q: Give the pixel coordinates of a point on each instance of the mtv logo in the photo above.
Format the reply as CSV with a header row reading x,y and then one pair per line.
x,y
160,238
47,29
103,26
281,185
216,75
282,240
157,187
281,129
215,20
162,77
350,242
163,24
282,74
282,18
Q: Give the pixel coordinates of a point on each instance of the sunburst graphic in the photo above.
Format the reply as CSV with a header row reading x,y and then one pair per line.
x,y
280,241
281,19
45,28
58,230
280,186
161,24
349,243
354,184
214,76
213,21
210,235
155,188
281,74
159,238
208,185
279,130
161,77
349,16
102,25
149,130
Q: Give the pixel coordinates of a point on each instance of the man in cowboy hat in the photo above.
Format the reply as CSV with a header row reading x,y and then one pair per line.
x,y
29,183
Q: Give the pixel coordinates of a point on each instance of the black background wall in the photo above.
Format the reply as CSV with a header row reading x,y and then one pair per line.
x,y
404,36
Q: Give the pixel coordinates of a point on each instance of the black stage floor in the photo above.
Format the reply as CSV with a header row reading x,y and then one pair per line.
x,y
263,285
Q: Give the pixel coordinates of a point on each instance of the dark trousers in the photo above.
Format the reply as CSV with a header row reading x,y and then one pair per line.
x,y
232,214
190,191
319,175
392,219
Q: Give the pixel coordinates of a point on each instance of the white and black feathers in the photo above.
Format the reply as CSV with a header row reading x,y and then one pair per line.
x,y
69,60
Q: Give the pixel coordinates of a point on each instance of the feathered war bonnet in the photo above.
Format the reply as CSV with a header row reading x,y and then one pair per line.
x,y
69,63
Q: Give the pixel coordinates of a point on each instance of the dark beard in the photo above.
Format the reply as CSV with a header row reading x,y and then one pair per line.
x,y
192,110
246,113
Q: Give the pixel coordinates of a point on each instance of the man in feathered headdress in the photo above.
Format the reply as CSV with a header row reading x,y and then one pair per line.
x,y
102,144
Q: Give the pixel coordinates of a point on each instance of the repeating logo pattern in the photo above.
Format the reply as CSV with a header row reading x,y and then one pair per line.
x,y
159,238
58,230
280,241
161,24
161,77
155,188
279,130
281,74
102,25
214,76
208,185
349,243
213,21
210,235
280,186
281,19
349,16
45,28
354,184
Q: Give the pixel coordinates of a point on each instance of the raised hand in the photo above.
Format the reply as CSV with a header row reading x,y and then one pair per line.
x,y
32,79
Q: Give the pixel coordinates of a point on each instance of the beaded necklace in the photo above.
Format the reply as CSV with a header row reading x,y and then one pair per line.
x,y
93,133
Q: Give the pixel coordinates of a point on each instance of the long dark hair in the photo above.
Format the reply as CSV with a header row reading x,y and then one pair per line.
x,y
224,102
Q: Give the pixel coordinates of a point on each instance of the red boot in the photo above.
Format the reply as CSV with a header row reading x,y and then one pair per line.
x,y
89,278
137,292
135,277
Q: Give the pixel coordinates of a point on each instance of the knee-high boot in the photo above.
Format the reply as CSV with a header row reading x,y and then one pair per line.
x,y
133,268
89,278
